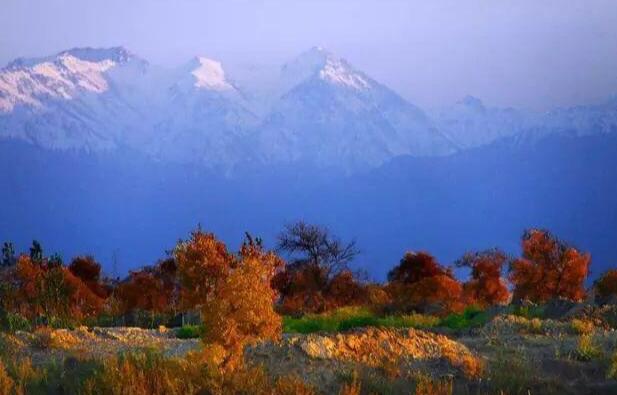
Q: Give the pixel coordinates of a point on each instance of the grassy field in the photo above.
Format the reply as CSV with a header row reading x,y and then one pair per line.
x,y
355,317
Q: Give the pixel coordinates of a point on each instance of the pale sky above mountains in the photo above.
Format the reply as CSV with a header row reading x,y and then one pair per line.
x,y
528,54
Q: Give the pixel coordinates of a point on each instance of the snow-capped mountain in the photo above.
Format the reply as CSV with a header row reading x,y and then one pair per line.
x,y
470,123
332,114
206,117
317,109
77,99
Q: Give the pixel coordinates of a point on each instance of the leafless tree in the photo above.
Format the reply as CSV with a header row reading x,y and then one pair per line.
x,y
309,244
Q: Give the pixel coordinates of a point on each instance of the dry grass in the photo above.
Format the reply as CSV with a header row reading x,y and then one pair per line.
x,y
428,386
611,373
586,348
582,327
6,382
352,388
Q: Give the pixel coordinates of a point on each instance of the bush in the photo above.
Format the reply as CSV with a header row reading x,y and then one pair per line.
x,y
472,317
586,349
582,327
14,322
606,286
190,332
43,338
354,317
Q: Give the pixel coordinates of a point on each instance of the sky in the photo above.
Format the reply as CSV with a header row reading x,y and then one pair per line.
x,y
527,54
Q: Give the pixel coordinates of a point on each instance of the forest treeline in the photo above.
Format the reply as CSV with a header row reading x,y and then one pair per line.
x,y
201,276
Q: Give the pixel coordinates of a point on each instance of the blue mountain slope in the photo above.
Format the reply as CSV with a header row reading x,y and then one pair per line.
x,y
126,205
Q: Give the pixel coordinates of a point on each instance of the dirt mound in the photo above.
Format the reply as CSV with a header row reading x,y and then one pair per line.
x,y
391,352
98,342
373,346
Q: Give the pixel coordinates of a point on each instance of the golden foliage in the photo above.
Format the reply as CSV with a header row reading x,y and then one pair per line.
x,y
240,311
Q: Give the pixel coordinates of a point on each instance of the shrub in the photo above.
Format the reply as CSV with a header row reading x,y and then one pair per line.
x,y
426,385
12,322
586,349
190,332
42,338
353,317
510,373
606,285
353,387
292,385
6,382
582,327
471,317
611,373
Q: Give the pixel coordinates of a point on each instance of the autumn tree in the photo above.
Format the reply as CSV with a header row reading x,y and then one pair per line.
x,y
420,283
239,311
317,276
314,245
88,270
486,287
143,291
202,262
52,291
606,286
548,268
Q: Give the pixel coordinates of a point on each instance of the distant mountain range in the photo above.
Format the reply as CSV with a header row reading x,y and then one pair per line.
x,y
321,111
102,152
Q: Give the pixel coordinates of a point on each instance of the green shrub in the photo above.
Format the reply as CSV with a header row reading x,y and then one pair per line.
x,y
190,332
472,317
354,317
13,322
528,312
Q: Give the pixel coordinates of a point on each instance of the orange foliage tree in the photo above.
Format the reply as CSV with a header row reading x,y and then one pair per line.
x,y
240,309
486,287
420,283
549,268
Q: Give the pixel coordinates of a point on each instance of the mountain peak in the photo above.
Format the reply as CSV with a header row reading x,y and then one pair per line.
x,y
118,55
209,74
320,63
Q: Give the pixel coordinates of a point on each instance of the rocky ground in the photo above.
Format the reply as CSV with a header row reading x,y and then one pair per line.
x,y
44,346
513,353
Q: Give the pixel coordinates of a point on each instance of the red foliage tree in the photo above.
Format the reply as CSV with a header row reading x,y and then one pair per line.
x,y
420,283
345,290
606,286
53,291
202,262
89,271
486,286
143,291
549,268
416,266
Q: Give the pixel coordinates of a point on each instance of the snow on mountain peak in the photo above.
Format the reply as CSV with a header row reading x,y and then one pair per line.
x,y
61,76
209,74
320,63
